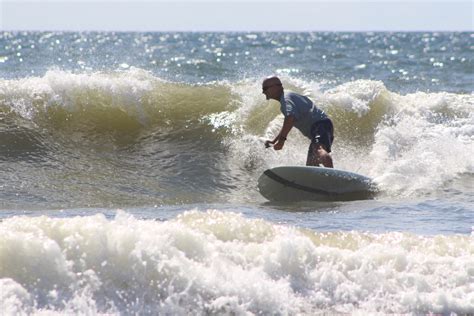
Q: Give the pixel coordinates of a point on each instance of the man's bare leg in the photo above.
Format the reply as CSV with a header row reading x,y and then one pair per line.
x,y
319,156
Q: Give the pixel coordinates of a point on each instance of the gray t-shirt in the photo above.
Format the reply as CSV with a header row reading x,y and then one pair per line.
x,y
303,110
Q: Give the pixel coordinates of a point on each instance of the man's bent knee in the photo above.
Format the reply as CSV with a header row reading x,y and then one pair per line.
x,y
319,156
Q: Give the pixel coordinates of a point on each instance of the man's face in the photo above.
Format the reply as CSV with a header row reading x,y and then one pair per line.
x,y
271,89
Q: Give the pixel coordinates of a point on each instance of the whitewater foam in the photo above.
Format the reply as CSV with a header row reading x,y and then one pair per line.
x,y
427,143
221,262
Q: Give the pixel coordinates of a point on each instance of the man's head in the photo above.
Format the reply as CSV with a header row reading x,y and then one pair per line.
x,y
272,88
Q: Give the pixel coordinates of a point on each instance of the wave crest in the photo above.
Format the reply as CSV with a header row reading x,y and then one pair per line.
x,y
114,101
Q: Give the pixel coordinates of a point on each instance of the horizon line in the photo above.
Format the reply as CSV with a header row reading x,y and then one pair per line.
x,y
240,31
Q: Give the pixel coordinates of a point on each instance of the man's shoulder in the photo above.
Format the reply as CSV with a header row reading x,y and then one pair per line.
x,y
292,95
296,97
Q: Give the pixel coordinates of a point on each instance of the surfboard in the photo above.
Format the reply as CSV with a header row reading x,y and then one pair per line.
x,y
296,183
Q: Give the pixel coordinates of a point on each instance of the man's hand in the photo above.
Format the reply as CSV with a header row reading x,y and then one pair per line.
x,y
280,139
279,144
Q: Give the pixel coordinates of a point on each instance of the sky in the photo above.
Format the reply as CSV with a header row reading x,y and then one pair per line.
x,y
233,15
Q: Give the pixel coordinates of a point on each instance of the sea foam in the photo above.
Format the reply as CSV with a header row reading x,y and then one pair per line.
x,y
222,262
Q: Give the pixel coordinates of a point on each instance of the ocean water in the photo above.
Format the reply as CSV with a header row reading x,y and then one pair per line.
x,y
129,164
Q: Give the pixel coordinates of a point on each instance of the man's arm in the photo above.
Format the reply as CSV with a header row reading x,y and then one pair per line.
x,y
287,125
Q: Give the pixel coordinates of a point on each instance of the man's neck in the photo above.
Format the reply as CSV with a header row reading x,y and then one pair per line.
x,y
281,95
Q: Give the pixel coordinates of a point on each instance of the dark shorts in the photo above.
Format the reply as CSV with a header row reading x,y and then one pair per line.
x,y
322,132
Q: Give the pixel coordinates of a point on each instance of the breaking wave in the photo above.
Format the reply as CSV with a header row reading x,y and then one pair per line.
x,y
408,143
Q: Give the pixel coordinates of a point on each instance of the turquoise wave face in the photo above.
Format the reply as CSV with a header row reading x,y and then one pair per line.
x,y
405,62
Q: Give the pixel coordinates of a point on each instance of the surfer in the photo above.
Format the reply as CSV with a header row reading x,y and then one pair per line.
x,y
300,112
